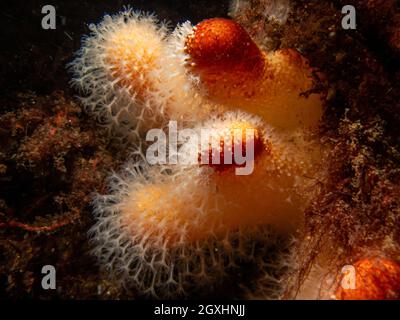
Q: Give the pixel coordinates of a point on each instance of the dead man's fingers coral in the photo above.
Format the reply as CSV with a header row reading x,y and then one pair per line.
x,y
161,229
159,236
234,71
166,228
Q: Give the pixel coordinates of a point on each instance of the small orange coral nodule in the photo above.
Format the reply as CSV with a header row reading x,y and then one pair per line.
x,y
376,279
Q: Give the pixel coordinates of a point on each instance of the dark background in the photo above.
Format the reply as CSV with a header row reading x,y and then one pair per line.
x,y
33,58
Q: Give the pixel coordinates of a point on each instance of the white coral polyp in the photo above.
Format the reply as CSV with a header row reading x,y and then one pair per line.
x,y
132,78
153,253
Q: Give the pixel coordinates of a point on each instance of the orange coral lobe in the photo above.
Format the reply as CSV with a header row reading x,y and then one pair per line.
x,y
234,71
223,46
376,279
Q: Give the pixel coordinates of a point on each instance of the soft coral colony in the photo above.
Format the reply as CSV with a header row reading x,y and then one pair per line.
x,y
172,230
